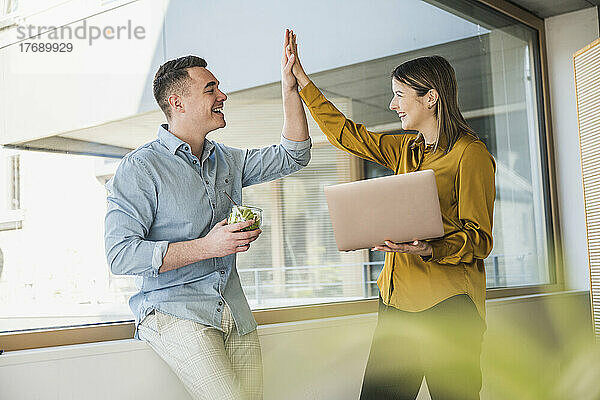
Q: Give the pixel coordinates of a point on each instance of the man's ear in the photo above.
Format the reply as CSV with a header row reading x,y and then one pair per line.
x,y
176,104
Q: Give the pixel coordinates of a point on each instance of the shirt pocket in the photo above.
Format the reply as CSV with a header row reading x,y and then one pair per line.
x,y
224,184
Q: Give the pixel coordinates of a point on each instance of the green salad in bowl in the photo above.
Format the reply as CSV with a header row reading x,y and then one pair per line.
x,y
245,213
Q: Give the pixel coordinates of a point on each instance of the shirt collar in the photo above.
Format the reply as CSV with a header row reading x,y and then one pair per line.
x,y
207,150
418,143
173,143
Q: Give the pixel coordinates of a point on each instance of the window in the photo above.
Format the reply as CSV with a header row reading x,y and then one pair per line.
x,y
63,280
14,182
8,10
498,81
7,7
496,73
52,266
11,214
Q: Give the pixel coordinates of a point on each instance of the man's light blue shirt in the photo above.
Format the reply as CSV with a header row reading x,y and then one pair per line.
x,y
161,193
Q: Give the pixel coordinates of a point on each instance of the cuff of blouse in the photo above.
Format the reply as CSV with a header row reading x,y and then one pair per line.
x,y
438,251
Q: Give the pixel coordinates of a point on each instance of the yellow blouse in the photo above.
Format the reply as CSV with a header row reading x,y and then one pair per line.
x,y
466,187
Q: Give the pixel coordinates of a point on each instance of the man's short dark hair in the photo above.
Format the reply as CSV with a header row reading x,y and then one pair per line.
x,y
172,77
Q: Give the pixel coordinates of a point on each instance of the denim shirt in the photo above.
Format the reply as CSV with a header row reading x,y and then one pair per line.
x,y
161,193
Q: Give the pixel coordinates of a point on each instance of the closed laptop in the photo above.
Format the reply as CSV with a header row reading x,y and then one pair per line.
x,y
400,208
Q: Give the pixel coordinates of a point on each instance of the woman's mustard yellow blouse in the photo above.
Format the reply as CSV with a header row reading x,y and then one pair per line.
x,y
466,188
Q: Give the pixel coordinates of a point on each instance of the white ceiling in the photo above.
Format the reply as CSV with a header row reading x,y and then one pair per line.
x,y
550,8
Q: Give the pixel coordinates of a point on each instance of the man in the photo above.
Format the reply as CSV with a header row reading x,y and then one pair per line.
x,y
166,222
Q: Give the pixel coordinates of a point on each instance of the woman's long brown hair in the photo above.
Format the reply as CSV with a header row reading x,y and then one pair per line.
x,y
435,72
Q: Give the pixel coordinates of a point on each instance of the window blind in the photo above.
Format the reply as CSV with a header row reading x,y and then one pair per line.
x,y
587,75
296,260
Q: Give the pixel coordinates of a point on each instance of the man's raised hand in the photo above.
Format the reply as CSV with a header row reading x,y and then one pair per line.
x,y
288,80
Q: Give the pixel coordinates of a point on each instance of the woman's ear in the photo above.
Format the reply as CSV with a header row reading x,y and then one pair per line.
x,y
432,98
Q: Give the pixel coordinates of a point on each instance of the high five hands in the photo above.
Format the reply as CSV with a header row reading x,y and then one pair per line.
x,y
292,73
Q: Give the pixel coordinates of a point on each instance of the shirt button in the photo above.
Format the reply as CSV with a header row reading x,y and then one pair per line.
x,y
194,161
218,310
222,272
206,182
220,303
186,148
226,180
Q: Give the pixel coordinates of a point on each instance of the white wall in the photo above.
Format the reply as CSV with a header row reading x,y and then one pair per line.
x,y
321,359
565,35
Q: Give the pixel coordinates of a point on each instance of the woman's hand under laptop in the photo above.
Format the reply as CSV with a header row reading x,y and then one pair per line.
x,y
418,247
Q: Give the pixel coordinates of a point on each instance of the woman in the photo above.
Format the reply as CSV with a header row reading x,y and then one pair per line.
x,y
432,293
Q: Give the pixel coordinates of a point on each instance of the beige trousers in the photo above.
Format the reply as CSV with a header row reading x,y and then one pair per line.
x,y
210,363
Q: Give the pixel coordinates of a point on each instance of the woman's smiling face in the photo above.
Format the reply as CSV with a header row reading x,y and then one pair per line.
x,y
411,108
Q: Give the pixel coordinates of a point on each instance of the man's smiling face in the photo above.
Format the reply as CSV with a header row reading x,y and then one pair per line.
x,y
204,101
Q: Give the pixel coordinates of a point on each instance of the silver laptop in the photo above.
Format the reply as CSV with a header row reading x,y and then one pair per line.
x,y
400,208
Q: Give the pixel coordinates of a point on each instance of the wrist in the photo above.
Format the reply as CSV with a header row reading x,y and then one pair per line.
x,y
201,248
289,90
303,80
428,251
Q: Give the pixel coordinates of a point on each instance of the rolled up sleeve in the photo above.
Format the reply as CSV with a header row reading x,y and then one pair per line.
x,y
276,161
132,202
475,186
346,135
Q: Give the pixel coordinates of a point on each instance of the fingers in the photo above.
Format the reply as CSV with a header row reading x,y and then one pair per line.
x,y
252,239
294,43
381,248
240,225
395,246
290,63
286,43
241,237
412,247
240,249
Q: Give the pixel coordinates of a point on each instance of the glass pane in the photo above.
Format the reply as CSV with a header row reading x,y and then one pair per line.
x,y
305,265
52,266
498,93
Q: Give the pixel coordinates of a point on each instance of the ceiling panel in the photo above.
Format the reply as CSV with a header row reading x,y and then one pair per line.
x,y
550,8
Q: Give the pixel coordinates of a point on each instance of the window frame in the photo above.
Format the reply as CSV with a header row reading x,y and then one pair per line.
x,y
8,19
13,341
12,218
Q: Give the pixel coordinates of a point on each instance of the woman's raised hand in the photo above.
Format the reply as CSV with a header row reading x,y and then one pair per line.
x,y
297,69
